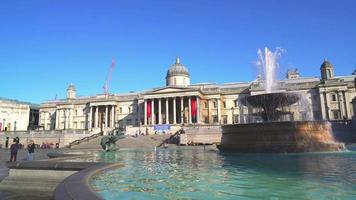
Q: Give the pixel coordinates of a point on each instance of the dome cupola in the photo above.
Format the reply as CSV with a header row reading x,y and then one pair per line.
x,y
178,75
71,91
326,70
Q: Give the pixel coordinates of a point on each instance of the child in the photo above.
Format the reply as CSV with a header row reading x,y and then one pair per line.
x,y
14,149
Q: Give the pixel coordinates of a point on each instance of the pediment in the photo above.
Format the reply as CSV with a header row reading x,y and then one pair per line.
x,y
172,90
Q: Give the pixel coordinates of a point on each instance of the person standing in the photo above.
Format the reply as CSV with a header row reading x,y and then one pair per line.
x,y
31,150
14,148
7,142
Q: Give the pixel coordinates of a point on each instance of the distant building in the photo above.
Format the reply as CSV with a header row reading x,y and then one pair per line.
x,y
181,102
293,74
17,115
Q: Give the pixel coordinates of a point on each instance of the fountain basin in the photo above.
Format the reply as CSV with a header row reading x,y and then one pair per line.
x,y
279,137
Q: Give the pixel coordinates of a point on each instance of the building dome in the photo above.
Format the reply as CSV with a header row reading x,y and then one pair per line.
x,y
178,75
71,87
71,91
326,70
326,64
177,69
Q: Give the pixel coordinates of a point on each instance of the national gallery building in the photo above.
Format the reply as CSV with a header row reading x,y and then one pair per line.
x,y
180,102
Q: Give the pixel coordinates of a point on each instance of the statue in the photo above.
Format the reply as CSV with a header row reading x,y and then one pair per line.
x,y
108,142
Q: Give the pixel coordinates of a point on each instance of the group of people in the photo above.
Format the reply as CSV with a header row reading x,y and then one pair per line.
x,y
16,145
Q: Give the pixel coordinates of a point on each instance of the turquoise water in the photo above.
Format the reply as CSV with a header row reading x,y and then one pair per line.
x,y
208,174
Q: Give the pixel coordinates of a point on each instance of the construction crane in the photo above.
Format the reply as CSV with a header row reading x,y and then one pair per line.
x,y
108,77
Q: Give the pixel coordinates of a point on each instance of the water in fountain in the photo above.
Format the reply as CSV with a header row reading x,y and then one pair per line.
x,y
268,61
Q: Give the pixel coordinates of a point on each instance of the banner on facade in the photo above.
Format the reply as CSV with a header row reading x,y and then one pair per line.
x,y
161,128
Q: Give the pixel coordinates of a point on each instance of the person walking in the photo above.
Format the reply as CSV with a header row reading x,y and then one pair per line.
x,y
31,150
14,148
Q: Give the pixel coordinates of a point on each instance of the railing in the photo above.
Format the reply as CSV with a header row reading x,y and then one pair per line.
x,y
85,139
173,138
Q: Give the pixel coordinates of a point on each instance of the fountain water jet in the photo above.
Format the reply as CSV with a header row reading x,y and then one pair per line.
x,y
272,136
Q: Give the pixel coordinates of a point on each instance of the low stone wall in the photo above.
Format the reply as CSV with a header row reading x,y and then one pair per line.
x,y
201,134
38,179
63,138
279,137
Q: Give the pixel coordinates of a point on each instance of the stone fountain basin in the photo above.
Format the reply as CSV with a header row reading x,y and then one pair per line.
x,y
279,137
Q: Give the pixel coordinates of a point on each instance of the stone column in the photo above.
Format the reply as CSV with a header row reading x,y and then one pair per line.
x,y
145,112
340,104
322,105
112,123
57,119
347,106
71,114
106,116
90,117
174,111
208,103
181,110
160,111
153,116
96,117
219,111
198,110
190,109
67,118
139,113
327,105
167,113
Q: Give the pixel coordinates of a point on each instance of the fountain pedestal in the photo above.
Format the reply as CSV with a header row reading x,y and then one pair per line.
x,y
279,137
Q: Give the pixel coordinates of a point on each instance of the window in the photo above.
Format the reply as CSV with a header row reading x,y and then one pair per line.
x,y
120,110
333,97
224,119
317,115
76,112
215,119
236,103
224,104
236,119
206,104
214,104
128,122
336,114
206,120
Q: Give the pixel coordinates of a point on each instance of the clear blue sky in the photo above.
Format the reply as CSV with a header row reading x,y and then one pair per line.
x,y
47,44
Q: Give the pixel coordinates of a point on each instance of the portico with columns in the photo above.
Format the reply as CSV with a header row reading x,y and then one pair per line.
x,y
172,106
101,115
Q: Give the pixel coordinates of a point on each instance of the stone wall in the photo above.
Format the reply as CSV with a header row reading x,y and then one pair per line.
x,y
279,137
63,138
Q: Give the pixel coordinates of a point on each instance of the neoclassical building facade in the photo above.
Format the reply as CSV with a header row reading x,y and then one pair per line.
x,y
180,102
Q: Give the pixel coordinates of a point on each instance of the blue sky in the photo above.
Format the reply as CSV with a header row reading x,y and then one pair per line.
x,y
45,45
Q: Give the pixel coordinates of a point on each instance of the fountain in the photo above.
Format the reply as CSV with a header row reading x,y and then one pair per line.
x,y
274,135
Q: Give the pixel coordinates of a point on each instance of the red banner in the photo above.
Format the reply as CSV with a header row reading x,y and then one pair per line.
x,y
149,108
194,107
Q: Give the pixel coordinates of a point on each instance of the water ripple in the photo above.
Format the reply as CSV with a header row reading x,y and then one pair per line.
x,y
198,174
